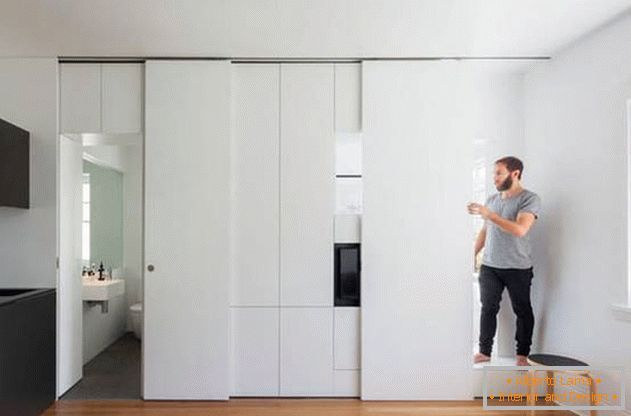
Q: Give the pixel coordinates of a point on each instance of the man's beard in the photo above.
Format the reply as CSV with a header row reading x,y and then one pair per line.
x,y
508,182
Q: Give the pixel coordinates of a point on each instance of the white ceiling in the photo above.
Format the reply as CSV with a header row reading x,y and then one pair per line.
x,y
298,28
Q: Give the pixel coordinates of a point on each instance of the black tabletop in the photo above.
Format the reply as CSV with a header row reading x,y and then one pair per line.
x,y
552,360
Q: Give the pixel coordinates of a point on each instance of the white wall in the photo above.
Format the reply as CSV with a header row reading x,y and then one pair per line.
x,y
499,123
132,225
498,110
113,156
576,159
28,241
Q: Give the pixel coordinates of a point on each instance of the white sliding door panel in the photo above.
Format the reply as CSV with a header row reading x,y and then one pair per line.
x,y
416,233
187,171
255,348
307,187
255,189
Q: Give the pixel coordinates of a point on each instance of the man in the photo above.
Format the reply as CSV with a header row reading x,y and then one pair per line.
x,y
506,262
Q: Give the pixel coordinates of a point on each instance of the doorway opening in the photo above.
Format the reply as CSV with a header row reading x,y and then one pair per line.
x,y
101,290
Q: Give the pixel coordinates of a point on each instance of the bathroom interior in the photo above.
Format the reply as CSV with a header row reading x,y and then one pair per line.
x,y
110,222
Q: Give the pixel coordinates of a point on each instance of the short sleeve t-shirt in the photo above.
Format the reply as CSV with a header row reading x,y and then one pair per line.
x,y
502,249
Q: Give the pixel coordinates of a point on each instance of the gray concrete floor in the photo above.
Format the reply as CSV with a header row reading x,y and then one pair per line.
x,y
113,374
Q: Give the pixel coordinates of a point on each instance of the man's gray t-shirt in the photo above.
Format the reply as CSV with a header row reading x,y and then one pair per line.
x,y
502,249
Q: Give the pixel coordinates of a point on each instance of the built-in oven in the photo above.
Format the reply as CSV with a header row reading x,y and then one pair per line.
x,y
347,274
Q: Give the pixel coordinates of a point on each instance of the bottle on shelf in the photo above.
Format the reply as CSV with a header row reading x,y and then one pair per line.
x,y
101,270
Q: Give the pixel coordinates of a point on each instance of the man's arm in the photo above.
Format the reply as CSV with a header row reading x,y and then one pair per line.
x,y
518,228
479,242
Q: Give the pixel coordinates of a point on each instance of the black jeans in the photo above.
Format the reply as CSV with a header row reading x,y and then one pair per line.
x,y
517,281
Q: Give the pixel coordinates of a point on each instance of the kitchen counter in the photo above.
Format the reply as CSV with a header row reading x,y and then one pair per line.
x,y
27,351
8,296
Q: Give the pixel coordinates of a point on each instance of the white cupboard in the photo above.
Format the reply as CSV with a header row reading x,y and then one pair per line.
x,y
346,383
255,351
306,350
255,185
283,205
186,334
347,338
122,95
307,184
80,98
348,112
101,98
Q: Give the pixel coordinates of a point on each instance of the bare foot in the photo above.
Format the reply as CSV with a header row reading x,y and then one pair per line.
x,y
521,360
478,357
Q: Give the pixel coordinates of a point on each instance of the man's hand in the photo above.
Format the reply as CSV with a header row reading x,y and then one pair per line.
x,y
478,209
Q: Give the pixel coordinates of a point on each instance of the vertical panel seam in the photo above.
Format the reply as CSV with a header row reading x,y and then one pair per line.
x,y
101,97
280,218
333,186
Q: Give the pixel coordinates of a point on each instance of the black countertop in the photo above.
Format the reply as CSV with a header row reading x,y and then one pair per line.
x,y
8,296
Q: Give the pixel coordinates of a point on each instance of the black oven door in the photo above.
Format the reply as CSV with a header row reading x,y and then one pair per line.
x,y
347,274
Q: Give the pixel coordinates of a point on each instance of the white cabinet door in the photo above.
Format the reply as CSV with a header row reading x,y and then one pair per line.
x,y
306,351
80,98
347,338
348,98
307,188
186,342
122,98
255,185
255,349
346,383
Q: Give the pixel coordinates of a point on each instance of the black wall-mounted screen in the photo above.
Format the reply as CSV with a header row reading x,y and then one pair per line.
x,y
347,274
14,166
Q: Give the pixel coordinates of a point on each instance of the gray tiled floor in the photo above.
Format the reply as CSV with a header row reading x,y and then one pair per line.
x,y
113,374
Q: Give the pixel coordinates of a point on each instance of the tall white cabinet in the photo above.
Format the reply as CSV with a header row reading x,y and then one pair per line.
x,y
255,284
307,182
283,200
255,185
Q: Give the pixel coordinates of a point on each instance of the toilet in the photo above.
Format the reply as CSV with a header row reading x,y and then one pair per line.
x,y
136,319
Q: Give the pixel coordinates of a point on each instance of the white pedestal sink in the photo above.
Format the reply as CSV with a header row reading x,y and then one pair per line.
x,y
102,290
